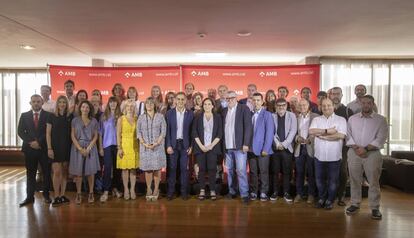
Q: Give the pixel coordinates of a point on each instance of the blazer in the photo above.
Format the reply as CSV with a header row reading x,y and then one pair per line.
x,y
243,101
218,108
243,127
291,127
263,133
27,132
171,136
198,132
309,147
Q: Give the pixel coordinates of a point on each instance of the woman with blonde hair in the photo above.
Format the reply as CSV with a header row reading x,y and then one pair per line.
x,y
151,131
156,94
132,93
127,159
58,147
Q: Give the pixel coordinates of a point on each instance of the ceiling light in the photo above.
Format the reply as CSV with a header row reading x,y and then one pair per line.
x,y
27,47
211,54
244,33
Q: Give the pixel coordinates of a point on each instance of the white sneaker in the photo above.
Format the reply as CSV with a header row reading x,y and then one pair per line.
x,y
104,197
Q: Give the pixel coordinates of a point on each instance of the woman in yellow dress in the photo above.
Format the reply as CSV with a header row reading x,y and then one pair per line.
x,y
127,159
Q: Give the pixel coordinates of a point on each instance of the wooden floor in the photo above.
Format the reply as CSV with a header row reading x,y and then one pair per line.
x,y
193,218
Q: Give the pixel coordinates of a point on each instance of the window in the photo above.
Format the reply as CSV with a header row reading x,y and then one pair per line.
x,y
392,85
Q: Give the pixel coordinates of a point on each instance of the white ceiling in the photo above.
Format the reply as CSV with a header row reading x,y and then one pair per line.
x,y
165,31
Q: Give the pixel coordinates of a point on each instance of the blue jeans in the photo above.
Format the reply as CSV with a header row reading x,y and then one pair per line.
x,y
236,160
327,176
179,156
305,165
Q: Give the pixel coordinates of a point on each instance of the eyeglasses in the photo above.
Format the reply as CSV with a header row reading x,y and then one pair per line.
x,y
228,99
280,105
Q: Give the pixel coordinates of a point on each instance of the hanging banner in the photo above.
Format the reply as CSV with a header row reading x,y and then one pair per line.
x,y
294,77
104,78
173,78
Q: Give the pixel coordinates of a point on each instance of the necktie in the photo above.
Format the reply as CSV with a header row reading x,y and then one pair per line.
x,y
36,120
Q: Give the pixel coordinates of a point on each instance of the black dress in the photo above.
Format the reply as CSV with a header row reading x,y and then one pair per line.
x,y
60,136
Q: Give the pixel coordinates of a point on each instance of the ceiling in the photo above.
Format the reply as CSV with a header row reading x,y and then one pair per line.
x,y
133,32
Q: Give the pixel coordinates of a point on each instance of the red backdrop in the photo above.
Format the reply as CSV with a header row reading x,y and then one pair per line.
x,y
174,78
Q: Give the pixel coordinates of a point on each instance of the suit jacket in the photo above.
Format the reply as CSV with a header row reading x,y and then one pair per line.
x,y
171,136
243,127
291,127
263,133
198,132
218,108
27,132
243,101
309,147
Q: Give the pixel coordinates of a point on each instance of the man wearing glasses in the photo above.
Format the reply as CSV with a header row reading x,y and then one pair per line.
x,y
285,127
238,130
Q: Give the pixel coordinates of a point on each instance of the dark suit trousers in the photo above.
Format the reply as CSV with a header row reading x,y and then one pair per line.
x,y
259,166
281,161
32,159
180,157
207,162
343,173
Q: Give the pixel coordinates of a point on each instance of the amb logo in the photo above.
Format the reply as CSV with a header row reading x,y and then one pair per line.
x,y
268,74
199,73
133,75
68,73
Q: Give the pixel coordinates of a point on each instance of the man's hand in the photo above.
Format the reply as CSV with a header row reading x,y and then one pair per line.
x,y
170,150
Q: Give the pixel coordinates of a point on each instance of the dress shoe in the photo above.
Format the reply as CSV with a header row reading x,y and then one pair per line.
x,y
328,205
376,214
341,203
47,200
351,210
26,202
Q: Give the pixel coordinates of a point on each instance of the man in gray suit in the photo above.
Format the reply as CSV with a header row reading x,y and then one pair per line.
x,y
304,152
285,128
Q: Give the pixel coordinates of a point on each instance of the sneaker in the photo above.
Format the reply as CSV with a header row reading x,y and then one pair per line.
x,y
311,199
202,194
376,214
64,200
104,197
328,205
213,195
298,199
288,198
351,210
263,197
274,196
245,200
56,202
253,196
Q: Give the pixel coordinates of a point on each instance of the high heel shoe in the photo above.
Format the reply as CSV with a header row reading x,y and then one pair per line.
x,y
126,195
78,199
91,198
154,196
148,197
133,195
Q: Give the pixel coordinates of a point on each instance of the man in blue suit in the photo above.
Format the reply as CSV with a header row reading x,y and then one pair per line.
x,y
178,144
238,131
285,131
263,132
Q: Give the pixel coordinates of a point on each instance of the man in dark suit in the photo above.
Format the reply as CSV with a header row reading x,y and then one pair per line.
x,y
221,102
238,130
32,130
178,144
251,89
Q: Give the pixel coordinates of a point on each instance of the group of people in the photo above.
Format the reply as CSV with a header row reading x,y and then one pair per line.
x,y
263,139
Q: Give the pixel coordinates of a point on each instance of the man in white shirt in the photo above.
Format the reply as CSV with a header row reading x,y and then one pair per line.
x,y
48,104
69,91
329,131
356,105
367,133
